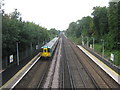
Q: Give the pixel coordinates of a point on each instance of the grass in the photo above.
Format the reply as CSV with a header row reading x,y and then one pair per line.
x,y
75,40
107,53
98,48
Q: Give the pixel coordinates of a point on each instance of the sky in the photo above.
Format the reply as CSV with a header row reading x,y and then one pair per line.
x,y
56,14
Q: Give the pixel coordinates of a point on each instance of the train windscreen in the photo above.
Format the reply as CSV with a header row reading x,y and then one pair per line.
x,y
44,50
48,49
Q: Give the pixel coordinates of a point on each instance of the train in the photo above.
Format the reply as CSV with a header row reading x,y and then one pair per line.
x,y
48,49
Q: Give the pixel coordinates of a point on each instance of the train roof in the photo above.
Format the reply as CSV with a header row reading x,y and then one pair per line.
x,y
51,43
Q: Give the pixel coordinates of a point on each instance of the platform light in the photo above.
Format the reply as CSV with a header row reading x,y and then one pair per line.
x,y
103,50
18,62
82,39
87,41
93,42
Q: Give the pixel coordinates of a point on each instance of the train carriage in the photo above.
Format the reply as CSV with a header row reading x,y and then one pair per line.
x,y
48,49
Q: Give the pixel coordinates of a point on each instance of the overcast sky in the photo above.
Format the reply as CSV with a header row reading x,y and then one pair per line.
x,y
53,13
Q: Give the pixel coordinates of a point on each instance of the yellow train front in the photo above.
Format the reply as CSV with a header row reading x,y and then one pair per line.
x,y
45,51
48,49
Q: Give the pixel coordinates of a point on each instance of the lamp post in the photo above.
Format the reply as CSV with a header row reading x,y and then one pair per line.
x,y
18,62
93,42
31,47
82,40
102,47
87,42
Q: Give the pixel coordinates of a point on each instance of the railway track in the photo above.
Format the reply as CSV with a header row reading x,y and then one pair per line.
x,y
42,80
66,76
85,69
52,80
98,76
35,76
75,69
103,77
79,76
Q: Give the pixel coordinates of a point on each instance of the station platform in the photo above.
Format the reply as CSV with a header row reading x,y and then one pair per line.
x,y
112,73
20,74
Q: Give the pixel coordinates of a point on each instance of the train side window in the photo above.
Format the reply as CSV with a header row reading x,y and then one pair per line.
x,y
48,49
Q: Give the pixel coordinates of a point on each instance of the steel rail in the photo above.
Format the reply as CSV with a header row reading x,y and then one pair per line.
x,y
80,74
97,86
99,75
43,76
63,78
69,71
92,79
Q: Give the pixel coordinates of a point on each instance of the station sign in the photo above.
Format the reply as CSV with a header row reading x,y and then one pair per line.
x,y
11,58
36,46
90,45
112,57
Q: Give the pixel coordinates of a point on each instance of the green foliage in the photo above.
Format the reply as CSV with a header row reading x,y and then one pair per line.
x,y
84,26
105,24
114,32
100,20
76,40
98,49
53,33
14,30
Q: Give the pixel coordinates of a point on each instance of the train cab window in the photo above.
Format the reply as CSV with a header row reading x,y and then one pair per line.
x,y
48,49
44,50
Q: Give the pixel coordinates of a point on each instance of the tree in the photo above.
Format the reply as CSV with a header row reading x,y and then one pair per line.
x,y
100,20
14,29
113,19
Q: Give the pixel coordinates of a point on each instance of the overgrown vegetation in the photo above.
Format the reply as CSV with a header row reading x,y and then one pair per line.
x,y
104,25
